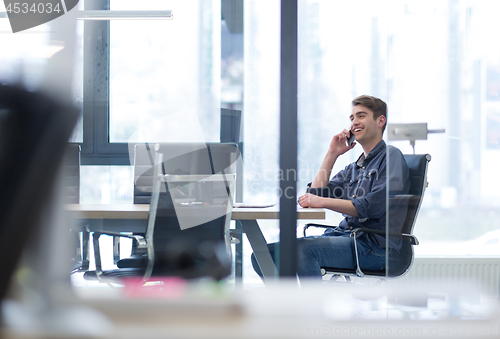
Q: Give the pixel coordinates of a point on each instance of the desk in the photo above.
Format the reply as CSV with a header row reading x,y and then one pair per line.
x,y
280,311
133,218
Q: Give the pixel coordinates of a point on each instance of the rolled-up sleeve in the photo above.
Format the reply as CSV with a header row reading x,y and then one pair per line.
x,y
372,205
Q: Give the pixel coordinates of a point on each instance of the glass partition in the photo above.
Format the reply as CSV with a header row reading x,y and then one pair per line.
x,y
434,64
431,63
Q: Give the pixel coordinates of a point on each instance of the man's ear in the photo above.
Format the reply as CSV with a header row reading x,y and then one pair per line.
x,y
381,121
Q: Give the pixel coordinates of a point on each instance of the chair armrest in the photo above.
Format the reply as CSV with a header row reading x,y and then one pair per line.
x,y
141,243
315,225
413,239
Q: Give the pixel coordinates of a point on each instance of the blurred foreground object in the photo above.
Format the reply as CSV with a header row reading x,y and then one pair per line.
x,y
34,130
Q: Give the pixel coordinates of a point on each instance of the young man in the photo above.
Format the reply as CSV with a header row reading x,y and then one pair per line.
x,y
358,192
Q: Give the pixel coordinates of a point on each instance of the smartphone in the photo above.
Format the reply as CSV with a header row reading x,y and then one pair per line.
x,y
351,139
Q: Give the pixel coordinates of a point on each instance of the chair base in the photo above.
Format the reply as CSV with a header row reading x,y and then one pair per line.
x,y
330,278
115,274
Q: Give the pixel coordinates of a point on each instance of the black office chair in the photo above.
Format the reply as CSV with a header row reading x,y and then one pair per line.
x,y
144,154
34,130
188,223
400,264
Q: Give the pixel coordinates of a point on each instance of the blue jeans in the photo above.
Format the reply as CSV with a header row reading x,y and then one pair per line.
x,y
335,249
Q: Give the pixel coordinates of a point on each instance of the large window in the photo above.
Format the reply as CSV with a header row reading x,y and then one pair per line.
x,y
150,80
146,81
434,62
261,101
164,74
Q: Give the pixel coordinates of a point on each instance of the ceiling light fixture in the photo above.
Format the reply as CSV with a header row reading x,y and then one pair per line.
x,y
124,15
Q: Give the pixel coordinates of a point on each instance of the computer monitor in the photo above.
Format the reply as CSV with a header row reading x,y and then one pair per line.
x,y
180,158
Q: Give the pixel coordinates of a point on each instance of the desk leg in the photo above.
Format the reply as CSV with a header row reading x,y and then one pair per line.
x,y
259,247
85,249
90,225
116,249
238,251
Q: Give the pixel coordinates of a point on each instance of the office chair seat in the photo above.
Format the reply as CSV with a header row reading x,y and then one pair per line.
x,y
399,263
215,267
134,261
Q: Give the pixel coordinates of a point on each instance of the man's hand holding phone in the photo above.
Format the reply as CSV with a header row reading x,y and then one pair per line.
x,y
351,141
342,142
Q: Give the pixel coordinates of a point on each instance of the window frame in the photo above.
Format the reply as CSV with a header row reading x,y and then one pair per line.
x,y
96,147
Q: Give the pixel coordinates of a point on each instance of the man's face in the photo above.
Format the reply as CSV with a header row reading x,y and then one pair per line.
x,y
364,127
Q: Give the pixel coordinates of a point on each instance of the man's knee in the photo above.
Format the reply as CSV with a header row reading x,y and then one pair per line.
x,y
307,248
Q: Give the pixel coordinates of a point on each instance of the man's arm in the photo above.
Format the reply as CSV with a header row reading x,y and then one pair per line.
x,y
338,205
338,146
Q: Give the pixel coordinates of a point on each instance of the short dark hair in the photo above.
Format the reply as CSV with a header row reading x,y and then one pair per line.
x,y
376,105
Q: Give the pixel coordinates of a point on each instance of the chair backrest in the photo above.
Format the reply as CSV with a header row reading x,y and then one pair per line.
x,y
230,126
417,164
190,210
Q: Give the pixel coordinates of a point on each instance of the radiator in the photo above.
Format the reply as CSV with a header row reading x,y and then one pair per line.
x,y
483,272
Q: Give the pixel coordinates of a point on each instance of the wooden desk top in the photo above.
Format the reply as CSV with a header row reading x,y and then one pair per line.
x,y
140,211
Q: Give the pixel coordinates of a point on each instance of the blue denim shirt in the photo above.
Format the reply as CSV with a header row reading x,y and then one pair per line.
x,y
364,183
